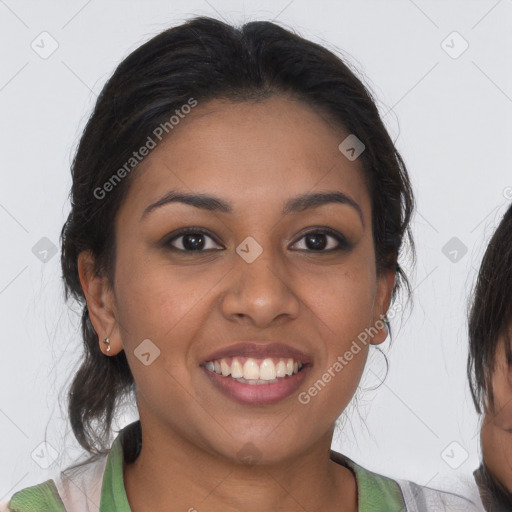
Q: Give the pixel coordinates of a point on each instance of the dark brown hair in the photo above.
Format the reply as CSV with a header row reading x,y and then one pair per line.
x,y
205,59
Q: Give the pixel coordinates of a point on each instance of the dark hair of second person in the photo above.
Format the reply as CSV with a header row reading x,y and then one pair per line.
x,y
489,366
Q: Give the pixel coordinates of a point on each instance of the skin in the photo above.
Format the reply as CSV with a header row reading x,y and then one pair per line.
x,y
496,432
256,156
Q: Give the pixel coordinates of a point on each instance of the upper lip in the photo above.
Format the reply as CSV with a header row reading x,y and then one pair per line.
x,y
259,350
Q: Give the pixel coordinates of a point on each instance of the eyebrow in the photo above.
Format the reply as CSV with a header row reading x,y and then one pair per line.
x,y
216,204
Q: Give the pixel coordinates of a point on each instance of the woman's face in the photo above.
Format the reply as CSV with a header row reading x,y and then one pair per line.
x,y
496,433
255,279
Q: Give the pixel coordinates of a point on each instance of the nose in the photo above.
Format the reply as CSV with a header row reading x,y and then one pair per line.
x,y
260,293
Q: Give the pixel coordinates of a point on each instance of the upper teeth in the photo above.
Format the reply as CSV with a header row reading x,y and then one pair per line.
x,y
254,369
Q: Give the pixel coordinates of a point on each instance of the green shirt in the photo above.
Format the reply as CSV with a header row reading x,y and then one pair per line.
x,y
376,493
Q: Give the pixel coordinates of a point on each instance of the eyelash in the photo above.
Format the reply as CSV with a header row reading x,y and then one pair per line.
x,y
343,243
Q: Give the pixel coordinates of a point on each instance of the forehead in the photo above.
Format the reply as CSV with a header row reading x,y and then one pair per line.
x,y
252,153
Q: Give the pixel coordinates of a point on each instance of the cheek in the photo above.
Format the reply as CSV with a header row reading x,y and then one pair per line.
x,y
342,308
168,306
153,296
502,389
503,420
344,300
497,452
159,303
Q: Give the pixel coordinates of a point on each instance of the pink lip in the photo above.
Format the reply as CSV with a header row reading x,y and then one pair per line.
x,y
259,351
263,394
259,394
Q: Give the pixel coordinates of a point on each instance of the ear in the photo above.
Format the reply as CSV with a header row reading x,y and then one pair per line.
x,y
385,283
100,304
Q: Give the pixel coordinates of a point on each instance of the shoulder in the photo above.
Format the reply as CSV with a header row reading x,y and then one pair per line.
x,y
375,490
420,498
37,498
76,489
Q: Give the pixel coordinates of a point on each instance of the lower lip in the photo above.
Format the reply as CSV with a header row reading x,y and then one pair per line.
x,y
258,394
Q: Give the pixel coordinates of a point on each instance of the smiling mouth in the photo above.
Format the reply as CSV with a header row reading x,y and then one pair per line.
x,y
255,371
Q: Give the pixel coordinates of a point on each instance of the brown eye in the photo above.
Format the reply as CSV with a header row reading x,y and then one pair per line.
x,y
192,240
323,240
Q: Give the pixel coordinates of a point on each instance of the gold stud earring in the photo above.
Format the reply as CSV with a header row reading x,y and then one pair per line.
x,y
107,342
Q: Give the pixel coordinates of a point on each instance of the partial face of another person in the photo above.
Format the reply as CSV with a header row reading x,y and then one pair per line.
x,y
496,433
259,264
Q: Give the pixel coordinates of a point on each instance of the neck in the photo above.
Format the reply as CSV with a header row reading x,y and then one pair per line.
x,y
173,474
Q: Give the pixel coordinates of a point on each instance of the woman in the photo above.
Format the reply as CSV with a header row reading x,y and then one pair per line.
x,y
490,337
238,209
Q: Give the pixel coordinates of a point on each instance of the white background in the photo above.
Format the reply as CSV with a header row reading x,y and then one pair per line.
x,y
451,118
